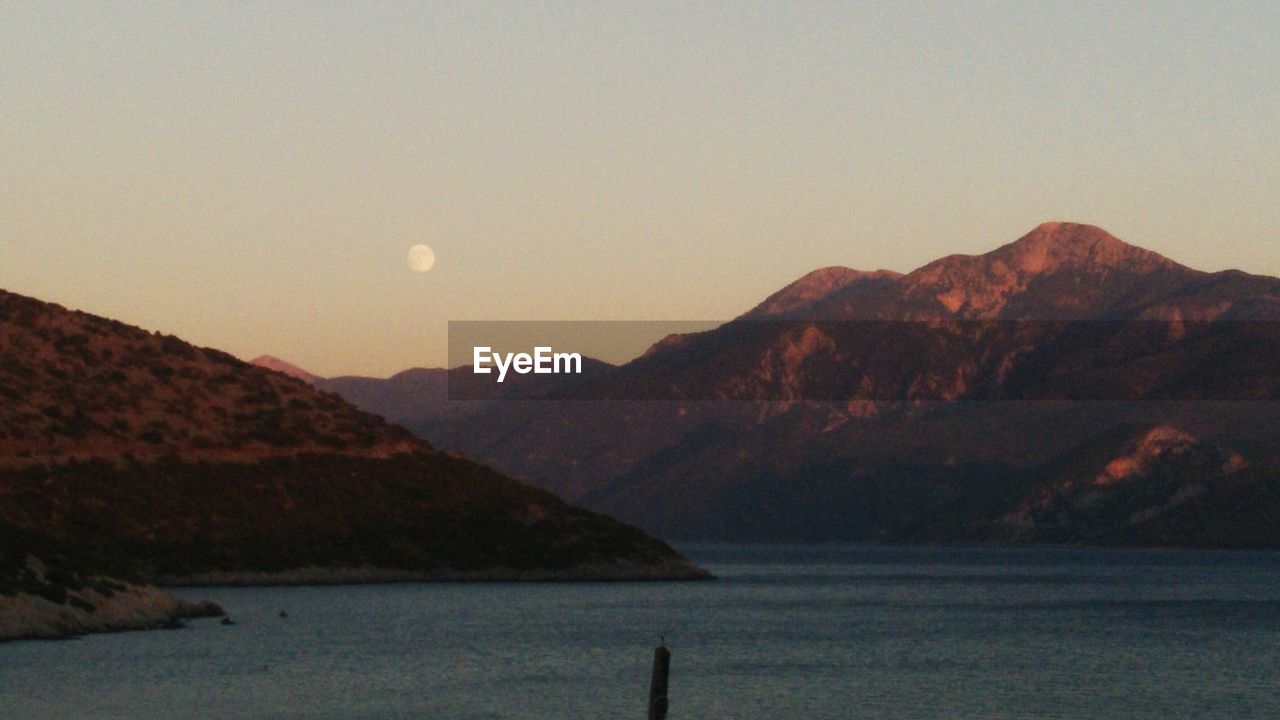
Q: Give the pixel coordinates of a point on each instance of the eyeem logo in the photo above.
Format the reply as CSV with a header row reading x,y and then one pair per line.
x,y
541,362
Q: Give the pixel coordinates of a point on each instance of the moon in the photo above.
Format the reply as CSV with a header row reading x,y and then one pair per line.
x,y
421,258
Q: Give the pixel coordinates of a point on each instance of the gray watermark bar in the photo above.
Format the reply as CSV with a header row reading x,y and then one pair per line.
x,y
877,360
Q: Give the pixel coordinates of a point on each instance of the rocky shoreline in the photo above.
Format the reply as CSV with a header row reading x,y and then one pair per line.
x,y
114,606
25,616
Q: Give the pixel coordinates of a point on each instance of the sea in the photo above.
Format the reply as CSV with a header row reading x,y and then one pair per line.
x,y
785,632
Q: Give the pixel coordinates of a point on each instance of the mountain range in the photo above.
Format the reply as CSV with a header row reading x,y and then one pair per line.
x,y
1067,387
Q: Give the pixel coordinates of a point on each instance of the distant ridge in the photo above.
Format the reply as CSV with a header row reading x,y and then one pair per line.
x,y
422,394
272,362
815,287
408,395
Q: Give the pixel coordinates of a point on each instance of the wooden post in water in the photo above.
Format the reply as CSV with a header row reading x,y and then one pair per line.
x,y
658,685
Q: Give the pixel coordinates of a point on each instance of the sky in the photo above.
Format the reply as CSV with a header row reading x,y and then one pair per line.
x,y
250,176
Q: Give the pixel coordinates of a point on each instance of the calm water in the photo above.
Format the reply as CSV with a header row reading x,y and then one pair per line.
x,y
789,632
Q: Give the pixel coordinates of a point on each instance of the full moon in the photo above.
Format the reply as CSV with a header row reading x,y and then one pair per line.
x,y
421,258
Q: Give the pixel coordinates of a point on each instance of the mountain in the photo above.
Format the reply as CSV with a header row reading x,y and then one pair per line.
x,y
817,286
271,362
1189,491
414,394
1061,271
938,405
422,394
141,454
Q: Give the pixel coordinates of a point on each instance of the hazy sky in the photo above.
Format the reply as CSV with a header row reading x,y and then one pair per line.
x,y
250,176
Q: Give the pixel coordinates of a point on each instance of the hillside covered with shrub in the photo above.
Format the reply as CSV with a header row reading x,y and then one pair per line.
x,y
130,454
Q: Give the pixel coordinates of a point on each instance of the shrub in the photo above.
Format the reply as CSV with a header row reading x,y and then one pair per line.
x,y
162,372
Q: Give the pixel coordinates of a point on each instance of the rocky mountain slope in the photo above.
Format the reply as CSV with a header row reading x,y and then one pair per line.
x,y
936,405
